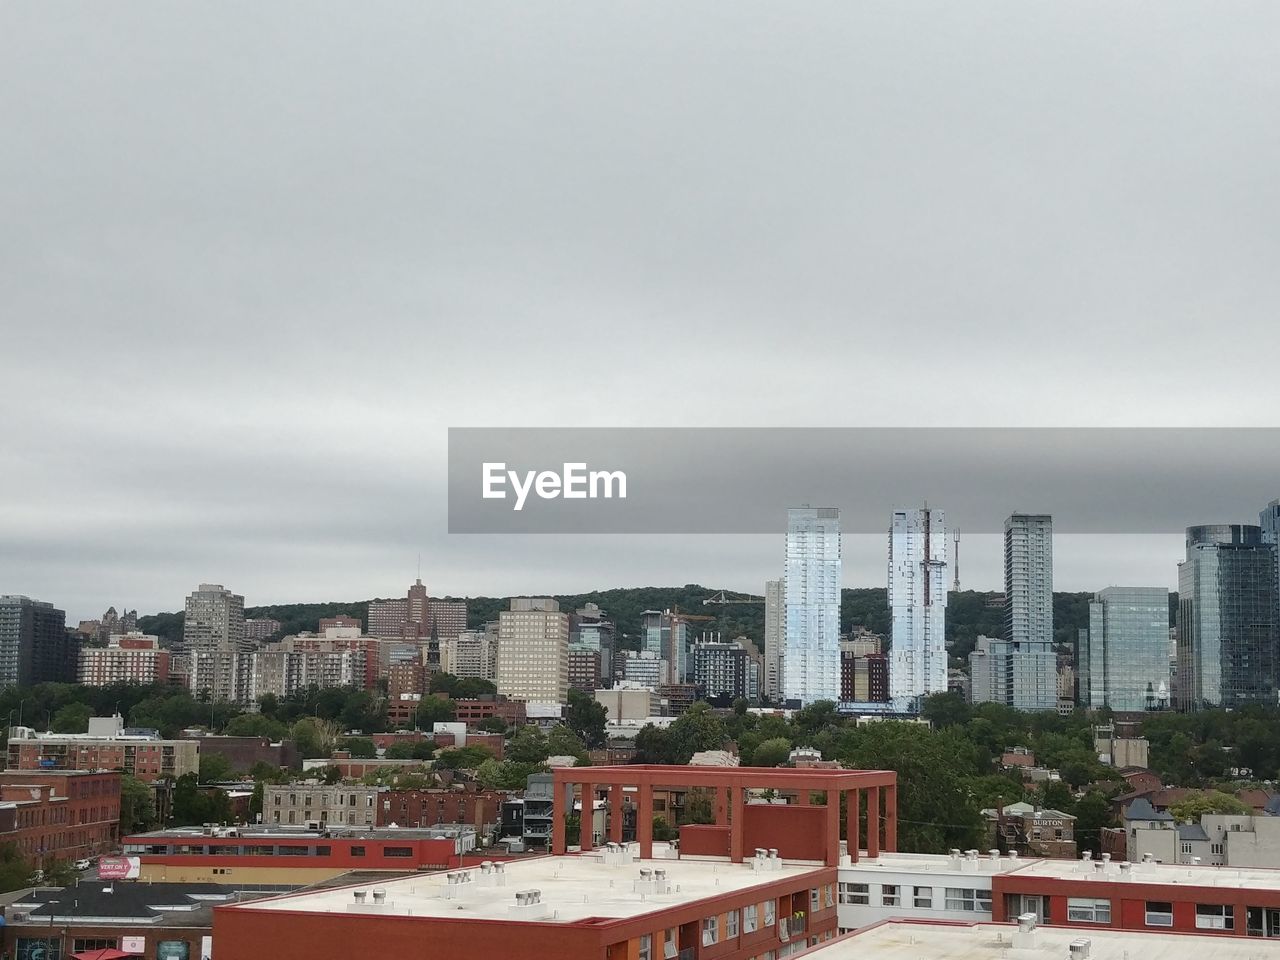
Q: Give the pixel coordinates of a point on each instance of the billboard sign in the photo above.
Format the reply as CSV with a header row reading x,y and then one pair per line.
x,y
119,868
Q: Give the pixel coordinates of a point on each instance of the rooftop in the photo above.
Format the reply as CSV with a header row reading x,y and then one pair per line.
x,y
572,889
335,831
163,904
905,940
1256,878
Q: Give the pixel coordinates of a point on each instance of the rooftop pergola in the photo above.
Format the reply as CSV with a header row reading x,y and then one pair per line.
x,y
729,786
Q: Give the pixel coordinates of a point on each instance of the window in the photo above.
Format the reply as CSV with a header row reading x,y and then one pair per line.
x,y
397,852
85,944
854,893
831,894
731,924
815,898
669,943
1186,848
646,947
357,851
923,898
710,931
770,912
1213,916
1080,910
1159,914
889,895
1216,849
750,918
963,898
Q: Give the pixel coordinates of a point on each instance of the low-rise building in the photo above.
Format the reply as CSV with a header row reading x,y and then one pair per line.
x,y
318,804
244,753
271,856
481,809
59,815
167,921
109,745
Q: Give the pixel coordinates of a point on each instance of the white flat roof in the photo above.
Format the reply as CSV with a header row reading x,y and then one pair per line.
x,y
572,888
897,940
1249,878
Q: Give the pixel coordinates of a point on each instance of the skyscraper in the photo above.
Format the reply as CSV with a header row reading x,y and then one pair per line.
x,y
533,651
1124,663
1019,674
1028,615
1269,520
811,591
34,644
774,628
1227,610
918,602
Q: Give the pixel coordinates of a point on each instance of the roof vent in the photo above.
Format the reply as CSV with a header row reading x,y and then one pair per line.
x,y
379,895
1148,858
359,895
1126,870
1026,936
1080,949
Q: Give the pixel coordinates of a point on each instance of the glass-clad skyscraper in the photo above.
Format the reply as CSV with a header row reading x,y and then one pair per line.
x,y
811,591
1227,630
918,602
1125,661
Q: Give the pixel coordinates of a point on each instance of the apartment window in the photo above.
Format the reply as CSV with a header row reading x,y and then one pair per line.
x,y
669,943
1216,849
750,918
922,898
770,913
731,924
889,895
1213,916
1186,848
815,898
1159,914
646,947
357,851
831,894
710,930
856,893
1080,910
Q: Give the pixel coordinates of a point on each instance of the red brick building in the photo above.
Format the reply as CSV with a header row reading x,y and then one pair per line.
x,y
472,712
53,815
429,808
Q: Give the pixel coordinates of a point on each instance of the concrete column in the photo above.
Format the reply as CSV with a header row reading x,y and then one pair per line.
x,y
873,822
833,828
644,820
558,814
586,824
737,800
722,805
891,817
853,829
615,812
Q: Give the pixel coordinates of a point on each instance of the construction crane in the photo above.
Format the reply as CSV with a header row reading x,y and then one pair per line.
x,y
723,598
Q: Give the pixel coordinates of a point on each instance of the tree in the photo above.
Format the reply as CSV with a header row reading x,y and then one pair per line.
x,y
1093,813
255,725
137,806
59,873
255,801
771,753
695,730
214,768
360,747
698,807
462,758
493,725
433,710
663,830
314,737
1195,805
655,745
563,742
528,745
586,716
192,805
421,750
15,870
73,718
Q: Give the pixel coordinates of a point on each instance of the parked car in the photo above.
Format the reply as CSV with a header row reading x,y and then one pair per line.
x,y
83,864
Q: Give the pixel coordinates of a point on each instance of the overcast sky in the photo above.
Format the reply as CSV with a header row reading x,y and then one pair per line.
x,y
255,258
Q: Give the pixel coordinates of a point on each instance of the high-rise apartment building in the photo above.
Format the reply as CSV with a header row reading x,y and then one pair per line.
x,y
35,646
918,602
212,635
666,634
1227,626
416,609
1124,663
260,628
533,651
473,653
417,616
446,618
1028,578
388,619
723,669
1017,673
775,617
128,658
1269,521
811,592
1028,614
590,629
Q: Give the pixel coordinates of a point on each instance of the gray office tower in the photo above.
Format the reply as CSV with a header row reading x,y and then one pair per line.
x,y
1227,618
1123,662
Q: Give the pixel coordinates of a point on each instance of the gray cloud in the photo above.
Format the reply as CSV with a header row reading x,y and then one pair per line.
x,y
255,259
